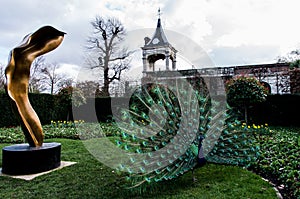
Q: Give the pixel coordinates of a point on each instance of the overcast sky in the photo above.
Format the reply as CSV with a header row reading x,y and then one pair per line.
x,y
231,32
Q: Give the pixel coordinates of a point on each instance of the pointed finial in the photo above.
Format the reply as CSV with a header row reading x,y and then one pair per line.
x,y
159,13
158,22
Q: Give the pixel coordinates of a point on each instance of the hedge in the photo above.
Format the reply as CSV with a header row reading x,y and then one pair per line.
x,y
277,110
48,107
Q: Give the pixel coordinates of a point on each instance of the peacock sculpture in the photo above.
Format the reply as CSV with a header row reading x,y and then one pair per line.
x,y
175,126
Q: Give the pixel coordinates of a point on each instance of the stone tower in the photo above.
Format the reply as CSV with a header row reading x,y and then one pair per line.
x,y
158,48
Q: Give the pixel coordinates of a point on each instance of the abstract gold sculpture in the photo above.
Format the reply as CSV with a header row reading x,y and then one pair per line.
x,y
17,75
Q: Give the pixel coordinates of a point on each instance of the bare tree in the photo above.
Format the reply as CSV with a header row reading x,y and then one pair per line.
x,y
51,78
106,43
292,56
35,82
88,88
2,76
43,76
64,83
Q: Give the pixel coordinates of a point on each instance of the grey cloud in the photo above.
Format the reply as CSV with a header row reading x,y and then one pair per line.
x,y
251,54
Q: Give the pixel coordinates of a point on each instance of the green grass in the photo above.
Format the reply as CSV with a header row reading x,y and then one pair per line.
x,y
91,179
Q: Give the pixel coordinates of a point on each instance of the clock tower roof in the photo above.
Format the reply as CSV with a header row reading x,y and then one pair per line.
x,y
158,48
159,38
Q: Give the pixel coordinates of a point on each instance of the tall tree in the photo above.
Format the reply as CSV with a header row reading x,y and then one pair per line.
x,y
2,76
88,88
111,56
35,82
51,78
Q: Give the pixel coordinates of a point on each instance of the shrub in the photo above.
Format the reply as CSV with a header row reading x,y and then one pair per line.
x,y
243,91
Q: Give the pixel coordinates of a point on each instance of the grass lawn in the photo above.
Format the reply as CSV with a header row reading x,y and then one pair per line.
x,y
90,179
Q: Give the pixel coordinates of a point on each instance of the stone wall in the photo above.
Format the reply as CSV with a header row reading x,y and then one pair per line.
x,y
295,81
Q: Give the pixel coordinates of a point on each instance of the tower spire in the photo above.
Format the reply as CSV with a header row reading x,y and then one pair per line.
x,y
158,21
159,13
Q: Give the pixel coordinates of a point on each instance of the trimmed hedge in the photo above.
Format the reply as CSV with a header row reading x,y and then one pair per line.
x,y
277,110
99,109
48,107
7,117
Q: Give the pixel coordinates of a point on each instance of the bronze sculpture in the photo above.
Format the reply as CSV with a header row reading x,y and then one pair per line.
x,y
17,75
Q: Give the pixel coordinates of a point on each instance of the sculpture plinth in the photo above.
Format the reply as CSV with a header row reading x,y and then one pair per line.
x,y
21,159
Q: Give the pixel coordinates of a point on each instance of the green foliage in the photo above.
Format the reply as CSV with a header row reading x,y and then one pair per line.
x,y
11,135
74,95
48,107
295,64
245,90
44,106
279,158
63,129
7,116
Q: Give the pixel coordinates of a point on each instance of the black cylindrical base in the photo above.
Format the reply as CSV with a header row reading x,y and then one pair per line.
x,y
21,159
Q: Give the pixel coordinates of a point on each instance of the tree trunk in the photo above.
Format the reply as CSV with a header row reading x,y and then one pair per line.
x,y
70,116
105,89
52,88
246,114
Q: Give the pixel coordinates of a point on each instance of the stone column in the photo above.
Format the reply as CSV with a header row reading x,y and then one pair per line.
x,y
167,60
